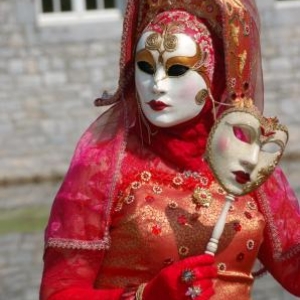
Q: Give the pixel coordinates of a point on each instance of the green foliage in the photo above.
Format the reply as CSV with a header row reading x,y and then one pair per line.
x,y
28,219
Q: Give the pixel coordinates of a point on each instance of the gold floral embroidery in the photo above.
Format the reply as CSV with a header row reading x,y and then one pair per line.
x,y
183,251
136,185
146,176
201,197
177,180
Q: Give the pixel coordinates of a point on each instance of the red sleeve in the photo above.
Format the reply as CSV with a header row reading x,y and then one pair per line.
x,y
70,274
286,272
280,251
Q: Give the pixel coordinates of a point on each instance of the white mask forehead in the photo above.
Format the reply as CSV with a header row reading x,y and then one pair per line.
x,y
185,46
242,118
142,41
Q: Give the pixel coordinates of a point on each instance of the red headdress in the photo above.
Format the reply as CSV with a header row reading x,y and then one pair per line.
x,y
235,21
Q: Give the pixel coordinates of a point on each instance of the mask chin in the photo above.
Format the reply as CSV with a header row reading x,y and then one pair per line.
x,y
204,119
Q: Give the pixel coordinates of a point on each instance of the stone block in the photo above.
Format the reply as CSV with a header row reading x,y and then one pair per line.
x,y
52,79
16,40
16,66
29,81
25,12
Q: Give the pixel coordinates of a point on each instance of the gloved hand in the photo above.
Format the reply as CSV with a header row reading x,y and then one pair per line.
x,y
190,278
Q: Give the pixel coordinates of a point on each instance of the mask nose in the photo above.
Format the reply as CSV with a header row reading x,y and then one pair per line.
x,y
251,158
159,86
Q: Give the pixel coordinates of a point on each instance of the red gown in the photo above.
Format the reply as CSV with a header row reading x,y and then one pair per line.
x,y
155,222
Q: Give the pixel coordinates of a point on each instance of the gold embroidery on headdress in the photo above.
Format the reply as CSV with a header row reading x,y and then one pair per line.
x,y
243,59
153,41
235,31
167,39
243,103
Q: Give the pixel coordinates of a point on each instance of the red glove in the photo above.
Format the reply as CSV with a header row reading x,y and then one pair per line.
x,y
188,278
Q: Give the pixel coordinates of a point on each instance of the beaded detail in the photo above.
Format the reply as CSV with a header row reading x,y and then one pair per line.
x,y
222,267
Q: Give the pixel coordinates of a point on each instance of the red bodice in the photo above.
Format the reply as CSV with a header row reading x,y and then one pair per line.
x,y
155,222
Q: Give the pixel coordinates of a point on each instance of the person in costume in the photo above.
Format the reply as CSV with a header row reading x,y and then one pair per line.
x,y
140,201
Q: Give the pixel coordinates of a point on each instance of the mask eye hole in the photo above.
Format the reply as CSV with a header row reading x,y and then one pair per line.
x,y
243,133
177,70
272,147
146,67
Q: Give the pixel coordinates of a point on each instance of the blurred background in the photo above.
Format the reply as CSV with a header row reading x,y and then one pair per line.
x,y
56,57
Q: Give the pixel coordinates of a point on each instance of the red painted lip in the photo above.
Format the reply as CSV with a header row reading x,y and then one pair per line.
x,y
241,177
157,105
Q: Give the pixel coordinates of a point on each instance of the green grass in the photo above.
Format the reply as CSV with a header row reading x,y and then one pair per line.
x,y
29,219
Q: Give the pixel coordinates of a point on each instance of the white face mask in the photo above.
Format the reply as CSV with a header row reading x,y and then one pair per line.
x,y
244,149
165,82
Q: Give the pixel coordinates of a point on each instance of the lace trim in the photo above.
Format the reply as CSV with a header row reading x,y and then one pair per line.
x,y
103,244
271,224
273,231
120,159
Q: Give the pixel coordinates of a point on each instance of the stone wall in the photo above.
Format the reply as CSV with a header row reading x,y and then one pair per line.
x,y
281,64
49,77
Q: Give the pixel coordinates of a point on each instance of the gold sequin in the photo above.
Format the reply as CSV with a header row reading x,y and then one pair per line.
x,y
183,251
146,176
157,189
173,205
136,185
177,180
129,199
202,197
220,191
250,245
252,205
222,267
204,180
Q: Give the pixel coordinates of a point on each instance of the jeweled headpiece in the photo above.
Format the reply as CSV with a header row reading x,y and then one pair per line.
x,y
235,21
167,24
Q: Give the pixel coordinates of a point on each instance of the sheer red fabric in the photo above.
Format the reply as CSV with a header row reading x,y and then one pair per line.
x,y
281,248
70,274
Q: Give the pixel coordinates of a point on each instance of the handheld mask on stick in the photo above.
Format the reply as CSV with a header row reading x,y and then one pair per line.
x,y
243,150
